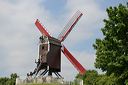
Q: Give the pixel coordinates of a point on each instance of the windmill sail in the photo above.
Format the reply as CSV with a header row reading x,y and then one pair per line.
x,y
67,29
75,63
41,28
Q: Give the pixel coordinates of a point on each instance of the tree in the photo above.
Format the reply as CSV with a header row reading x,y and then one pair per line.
x,y
13,79
3,81
112,50
103,79
8,81
89,77
13,76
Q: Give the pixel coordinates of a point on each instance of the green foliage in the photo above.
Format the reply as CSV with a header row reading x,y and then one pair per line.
x,y
112,50
8,81
3,81
106,80
89,77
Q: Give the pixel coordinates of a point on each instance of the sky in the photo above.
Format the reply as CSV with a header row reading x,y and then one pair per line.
x,y
19,37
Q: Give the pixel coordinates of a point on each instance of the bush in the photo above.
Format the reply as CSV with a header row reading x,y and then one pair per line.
x,y
8,81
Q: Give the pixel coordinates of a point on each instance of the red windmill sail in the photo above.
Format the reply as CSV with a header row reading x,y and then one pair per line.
x,y
41,28
75,63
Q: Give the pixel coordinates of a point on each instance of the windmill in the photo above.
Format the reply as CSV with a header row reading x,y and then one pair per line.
x,y
50,49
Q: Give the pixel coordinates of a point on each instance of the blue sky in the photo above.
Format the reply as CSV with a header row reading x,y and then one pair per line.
x,y
19,36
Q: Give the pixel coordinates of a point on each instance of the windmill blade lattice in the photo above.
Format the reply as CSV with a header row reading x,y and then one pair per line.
x,y
69,26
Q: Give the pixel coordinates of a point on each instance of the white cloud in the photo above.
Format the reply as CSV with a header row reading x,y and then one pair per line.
x,y
19,36
92,17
